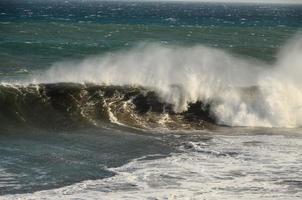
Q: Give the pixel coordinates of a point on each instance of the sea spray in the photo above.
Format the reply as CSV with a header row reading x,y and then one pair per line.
x,y
183,75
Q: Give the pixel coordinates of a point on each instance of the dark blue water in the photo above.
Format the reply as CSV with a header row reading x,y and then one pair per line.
x,y
160,13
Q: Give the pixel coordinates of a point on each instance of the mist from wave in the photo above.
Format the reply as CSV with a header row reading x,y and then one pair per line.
x,y
184,75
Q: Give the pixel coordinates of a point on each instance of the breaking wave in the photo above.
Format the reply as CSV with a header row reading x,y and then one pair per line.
x,y
152,85
70,105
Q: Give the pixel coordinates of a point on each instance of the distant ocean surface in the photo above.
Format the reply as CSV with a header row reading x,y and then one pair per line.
x,y
150,100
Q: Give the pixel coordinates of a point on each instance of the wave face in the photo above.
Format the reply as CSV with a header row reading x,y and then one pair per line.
x,y
236,91
70,105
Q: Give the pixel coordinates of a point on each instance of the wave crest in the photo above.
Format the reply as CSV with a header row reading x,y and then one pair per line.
x,y
181,76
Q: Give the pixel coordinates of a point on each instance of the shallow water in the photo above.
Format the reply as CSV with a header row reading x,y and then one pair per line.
x,y
229,163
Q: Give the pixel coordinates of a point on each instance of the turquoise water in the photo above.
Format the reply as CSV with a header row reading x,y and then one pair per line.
x,y
34,35
155,100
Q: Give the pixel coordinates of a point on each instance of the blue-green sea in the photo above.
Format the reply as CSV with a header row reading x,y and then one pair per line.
x,y
150,100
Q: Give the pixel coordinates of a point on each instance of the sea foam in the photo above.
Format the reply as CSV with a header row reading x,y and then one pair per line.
x,y
182,75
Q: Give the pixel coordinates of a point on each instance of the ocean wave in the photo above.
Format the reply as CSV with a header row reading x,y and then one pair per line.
x,y
235,91
73,105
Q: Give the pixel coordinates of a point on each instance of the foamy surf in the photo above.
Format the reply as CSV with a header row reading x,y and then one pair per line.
x,y
184,75
231,167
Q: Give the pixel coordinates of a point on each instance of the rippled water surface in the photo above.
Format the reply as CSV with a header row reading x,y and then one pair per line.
x,y
132,100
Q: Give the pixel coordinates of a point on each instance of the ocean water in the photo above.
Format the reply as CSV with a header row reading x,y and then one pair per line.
x,y
153,100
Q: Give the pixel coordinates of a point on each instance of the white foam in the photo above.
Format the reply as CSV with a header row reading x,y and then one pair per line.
x,y
188,74
228,167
